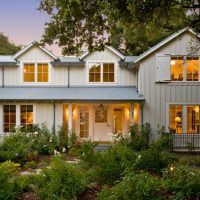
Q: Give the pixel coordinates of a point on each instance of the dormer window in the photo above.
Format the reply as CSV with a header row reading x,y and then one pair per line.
x,y
35,72
101,72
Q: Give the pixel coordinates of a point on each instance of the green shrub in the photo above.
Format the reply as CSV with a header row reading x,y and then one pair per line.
x,y
154,159
15,148
112,164
8,181
30,165
140,136
135,186
62,181
183,182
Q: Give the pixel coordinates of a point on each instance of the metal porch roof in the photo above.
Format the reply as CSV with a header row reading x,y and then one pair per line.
x,y
72,93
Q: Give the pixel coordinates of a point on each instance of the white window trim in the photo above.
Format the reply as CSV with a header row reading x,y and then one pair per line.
x,y
18,114
184,69
35,75
184,114
101,63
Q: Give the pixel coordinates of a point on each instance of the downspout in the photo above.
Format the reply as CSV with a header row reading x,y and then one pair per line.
x,y
68,81
54,118
3,84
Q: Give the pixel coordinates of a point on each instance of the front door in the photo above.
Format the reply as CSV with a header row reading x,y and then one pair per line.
x,y
101,125
117,120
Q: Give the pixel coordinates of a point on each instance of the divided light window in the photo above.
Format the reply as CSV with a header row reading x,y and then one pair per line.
x,y
184,68
35,72
26,118
102,72
9,121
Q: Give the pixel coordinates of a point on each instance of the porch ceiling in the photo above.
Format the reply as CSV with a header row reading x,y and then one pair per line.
x,y
70,94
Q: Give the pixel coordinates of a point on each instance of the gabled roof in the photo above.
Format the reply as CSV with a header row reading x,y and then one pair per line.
x,y
162,43
19,53
115,51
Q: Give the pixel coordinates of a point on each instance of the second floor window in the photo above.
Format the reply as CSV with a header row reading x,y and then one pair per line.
x,y
184,68
101,72
35,72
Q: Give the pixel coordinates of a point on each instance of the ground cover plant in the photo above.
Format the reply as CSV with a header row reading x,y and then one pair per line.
x,y
126,170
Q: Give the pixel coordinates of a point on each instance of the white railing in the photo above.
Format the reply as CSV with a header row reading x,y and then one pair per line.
x,y
186,141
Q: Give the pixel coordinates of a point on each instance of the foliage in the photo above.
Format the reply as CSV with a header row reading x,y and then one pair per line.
x,y
135,186
62,181
112,164
183,182
24,145
131,26
30,165
8,180
154,159
7,47
140,136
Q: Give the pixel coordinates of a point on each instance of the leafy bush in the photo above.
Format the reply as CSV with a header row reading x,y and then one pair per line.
x,y
140,136
112,164
182,182
22,146
30,165
15,148
62,181
8,180
154,159
135,186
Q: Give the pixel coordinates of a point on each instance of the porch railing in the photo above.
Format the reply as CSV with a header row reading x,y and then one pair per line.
x,y
185,142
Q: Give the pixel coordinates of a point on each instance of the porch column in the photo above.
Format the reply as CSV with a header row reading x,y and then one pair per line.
x,y
70,116
141,114
18,115
132,114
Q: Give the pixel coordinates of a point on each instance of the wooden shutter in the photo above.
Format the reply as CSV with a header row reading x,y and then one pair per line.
x,y
163,67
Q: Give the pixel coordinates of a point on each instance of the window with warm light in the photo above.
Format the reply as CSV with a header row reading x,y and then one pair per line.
x,y
193,119
176,119
36,72
29,72
101,114
177,68
101,72
26,117
184,68
84,122
9,121
192,69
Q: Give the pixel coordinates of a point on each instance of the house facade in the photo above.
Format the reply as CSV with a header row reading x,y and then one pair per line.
x,y
101,93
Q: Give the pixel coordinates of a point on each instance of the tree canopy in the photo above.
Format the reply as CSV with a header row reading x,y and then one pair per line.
x,y
7,47
132,26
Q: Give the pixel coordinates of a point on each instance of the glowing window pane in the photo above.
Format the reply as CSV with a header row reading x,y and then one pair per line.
x,y
177,68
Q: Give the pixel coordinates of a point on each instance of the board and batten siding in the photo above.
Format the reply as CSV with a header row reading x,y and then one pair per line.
x,y
158,95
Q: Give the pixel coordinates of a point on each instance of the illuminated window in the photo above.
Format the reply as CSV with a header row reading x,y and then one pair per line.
x,y
84,122
102,72
29,72
36,72
176,119
26,118
9,121
101,114
42,73
192,119
108,72
177,68
192,69
95,72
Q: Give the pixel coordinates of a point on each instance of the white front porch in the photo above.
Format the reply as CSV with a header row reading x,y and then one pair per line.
x,y
98,121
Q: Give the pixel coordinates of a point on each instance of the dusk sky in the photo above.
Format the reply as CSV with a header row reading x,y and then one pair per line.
x,y
22,22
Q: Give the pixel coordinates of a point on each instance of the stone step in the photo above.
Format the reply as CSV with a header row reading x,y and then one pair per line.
x,y
102,147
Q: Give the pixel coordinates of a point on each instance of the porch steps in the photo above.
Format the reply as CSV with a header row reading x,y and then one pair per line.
x,y
101,147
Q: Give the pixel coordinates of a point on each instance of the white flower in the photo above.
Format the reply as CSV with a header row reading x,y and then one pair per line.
x,y
50,140
35,133
56,153
64,150
139,156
